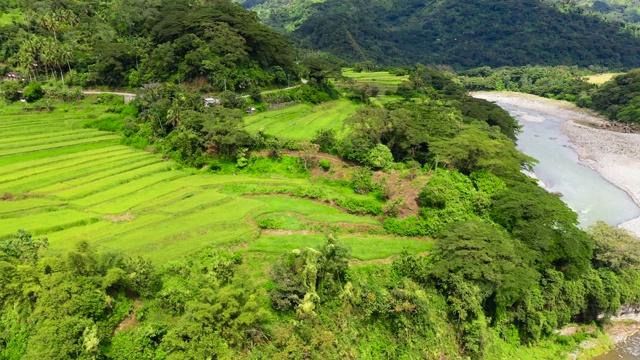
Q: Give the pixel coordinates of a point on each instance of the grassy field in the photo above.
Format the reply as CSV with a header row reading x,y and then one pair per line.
x,y
363,248
601,78
66,183
381,79
300,122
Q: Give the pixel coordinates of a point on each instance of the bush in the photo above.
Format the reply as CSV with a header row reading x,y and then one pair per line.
x,y
11,90
380,157
269,223
33,92
325,164
326,139
255,95
232,100
362,181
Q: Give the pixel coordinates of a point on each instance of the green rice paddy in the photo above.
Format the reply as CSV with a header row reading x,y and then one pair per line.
x,y
381,79
70,184
300,122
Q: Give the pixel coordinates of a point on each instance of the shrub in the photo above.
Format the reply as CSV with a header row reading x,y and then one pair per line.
x,y
269,223
325,164
11,90
232,100
326,139
33,92
380,157
362,181
255,95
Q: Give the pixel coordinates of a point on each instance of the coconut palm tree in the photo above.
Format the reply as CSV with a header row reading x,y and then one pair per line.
x,y
174,115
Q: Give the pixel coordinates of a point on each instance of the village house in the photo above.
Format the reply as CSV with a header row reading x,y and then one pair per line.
x,y
14,76
211,101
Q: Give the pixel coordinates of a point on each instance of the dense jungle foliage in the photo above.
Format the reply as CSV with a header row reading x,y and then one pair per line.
x,y
457,33
213,44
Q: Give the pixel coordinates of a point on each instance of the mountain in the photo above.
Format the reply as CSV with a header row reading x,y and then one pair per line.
x,y
459,33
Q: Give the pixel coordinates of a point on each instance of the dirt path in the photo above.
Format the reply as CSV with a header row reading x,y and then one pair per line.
x,y
133,95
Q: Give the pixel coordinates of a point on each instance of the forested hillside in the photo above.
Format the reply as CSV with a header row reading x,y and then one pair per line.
x,y
132,43
457,33
620,10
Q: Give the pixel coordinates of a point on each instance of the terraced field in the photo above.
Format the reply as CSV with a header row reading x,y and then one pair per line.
x,y
381,79
300,122
67,183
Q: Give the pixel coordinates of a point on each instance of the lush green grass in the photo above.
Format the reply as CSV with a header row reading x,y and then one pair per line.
x,y
45,147
14,208
125,203
363,248
282,221
195,200
310,210
88,187
85,188
44,222
31,173
381,79
301,122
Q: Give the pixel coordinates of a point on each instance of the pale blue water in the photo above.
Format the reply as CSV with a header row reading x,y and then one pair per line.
x,y
584,190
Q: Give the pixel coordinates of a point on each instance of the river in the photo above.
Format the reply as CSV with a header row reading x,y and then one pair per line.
x,y
559,169
583,189
628,350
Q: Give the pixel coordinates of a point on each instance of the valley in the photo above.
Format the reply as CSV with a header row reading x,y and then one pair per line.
x,y
309,179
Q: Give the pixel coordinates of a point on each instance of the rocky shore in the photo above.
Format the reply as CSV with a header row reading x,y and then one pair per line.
x,y
615,155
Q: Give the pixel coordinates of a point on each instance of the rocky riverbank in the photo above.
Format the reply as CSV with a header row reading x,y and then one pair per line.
x,y
615,155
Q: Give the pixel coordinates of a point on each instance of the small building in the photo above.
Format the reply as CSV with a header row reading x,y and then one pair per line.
x,y
14,76
212,101
251,110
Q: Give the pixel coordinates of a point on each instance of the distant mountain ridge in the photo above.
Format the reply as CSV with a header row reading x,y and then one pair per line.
x,y
459,33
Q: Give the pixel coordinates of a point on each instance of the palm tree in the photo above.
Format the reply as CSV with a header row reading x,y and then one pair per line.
x,y
50,22
174,115
65,55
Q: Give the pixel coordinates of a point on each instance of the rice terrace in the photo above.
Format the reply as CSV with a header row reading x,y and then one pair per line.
x,y
68,183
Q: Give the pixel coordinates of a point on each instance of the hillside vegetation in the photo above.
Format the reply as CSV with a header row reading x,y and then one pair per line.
x,y
458,33
411,233
213,44
352,214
